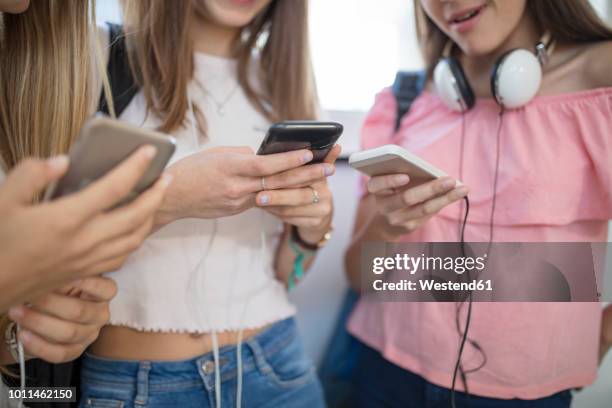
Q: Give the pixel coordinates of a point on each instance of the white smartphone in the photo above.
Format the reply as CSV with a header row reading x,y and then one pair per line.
x,y
102,144
393,159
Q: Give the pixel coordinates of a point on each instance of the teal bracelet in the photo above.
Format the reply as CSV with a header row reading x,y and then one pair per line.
x,y
298,265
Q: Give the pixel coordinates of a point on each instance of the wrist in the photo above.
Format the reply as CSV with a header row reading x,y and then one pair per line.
x,y
313,236
379,230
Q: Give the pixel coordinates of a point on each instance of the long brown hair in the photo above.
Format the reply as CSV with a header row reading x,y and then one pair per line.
x,y
161,56
46,92
46,87
571,21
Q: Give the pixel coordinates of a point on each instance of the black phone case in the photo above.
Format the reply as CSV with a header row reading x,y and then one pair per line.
x,y
318,137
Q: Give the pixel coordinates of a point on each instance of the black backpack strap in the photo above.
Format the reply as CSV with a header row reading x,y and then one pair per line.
x,y
122,83
407,87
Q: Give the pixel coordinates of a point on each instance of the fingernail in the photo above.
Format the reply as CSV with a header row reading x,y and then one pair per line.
x,y
16,313
149,151
307,157
25,336
329,169
462,191
448,183
402,179
264,199
58,162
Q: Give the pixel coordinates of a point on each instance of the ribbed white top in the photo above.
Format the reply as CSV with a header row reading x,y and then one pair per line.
x,y
228,266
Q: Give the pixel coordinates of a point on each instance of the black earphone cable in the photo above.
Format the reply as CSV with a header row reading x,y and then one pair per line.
x,y
464,334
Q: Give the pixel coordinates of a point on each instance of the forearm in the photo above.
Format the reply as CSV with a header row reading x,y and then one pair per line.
x,y
17,283
173,208
374,230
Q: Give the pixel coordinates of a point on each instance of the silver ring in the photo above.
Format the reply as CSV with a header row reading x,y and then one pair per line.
x,y
263,183
315,195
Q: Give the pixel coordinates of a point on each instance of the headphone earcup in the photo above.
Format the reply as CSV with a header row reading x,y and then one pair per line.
x,y
452,85
516,78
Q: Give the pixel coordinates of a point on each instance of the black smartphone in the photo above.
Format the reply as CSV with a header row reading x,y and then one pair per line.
x,y
318,137
102,144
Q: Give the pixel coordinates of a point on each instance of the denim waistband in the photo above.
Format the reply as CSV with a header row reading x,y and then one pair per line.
x,y
161,376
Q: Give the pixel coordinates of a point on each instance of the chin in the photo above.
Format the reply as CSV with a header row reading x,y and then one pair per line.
x,y
14,6
477,46
233,13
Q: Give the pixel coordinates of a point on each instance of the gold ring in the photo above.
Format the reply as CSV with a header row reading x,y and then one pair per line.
x,y
315,195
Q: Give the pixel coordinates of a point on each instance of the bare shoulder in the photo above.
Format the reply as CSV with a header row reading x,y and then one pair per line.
x,y
598,60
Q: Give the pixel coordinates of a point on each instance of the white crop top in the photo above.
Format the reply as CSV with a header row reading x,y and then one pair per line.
x,y
237,287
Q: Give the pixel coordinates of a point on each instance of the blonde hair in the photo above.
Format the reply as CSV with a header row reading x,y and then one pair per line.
x,y
46,92
160,50
47,89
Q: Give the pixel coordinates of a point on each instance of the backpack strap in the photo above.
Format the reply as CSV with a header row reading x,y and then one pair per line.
x,y
122,83
407,86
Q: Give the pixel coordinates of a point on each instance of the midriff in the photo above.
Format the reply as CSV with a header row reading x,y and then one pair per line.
x,y
123,343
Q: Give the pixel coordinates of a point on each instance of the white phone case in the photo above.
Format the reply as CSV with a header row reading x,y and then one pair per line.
x,y
393,159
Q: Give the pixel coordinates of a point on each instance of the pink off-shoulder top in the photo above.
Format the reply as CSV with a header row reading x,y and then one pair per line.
x,y
555,184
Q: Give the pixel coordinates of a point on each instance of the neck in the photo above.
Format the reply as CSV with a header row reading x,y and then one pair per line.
x,y
478,68
213,39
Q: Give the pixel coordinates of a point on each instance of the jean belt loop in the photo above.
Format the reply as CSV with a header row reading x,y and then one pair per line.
x,y
142,383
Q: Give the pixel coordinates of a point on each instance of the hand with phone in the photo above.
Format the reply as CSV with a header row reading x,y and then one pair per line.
x,y
82,234
403,208
59,326
407,190
308,206
224,181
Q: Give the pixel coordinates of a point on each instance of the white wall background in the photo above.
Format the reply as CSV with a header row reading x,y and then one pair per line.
x,y
357,46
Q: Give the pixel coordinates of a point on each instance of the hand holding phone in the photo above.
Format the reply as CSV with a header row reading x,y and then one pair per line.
x,y
104,143
75,236
407,190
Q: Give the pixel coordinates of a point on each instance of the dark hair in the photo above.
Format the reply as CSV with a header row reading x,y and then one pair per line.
x,y
567,20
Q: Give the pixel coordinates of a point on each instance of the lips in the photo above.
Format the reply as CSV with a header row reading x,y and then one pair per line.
x,y
465,19
243,2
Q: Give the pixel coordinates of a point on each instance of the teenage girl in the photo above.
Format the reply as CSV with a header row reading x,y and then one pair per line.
x,y
45,248
554,184
202,316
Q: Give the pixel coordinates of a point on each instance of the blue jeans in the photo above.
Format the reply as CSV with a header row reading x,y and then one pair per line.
x,y
380,384
276,373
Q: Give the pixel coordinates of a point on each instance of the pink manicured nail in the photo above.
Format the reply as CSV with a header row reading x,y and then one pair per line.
x,y
448,183
402,179
307,157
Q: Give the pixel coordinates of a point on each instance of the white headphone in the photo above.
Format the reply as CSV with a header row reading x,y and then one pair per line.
x,y
515,78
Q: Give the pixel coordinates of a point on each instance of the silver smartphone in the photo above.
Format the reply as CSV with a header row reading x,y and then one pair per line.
x,y
102,144
393,159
